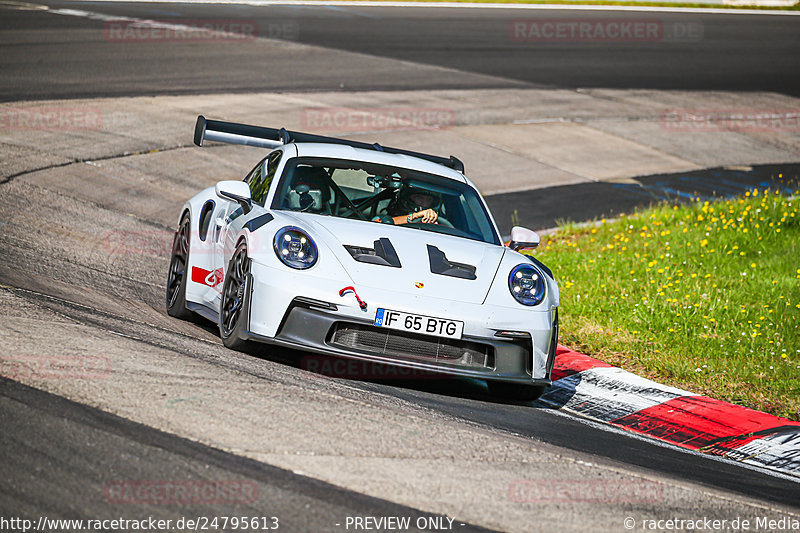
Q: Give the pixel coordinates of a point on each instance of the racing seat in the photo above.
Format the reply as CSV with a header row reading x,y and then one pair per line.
x,y
309,190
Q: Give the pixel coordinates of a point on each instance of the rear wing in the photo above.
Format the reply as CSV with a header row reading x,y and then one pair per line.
x,y
233,133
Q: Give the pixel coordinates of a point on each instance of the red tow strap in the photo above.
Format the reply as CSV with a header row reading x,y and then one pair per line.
x,y
362,304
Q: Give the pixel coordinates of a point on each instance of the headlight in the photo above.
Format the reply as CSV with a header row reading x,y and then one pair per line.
x,y
295,248
527,284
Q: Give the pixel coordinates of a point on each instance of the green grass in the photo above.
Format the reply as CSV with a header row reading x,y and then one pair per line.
x,y
795,7
704,296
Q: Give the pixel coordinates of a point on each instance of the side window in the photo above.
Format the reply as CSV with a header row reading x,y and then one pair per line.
x,y
261,177
251,176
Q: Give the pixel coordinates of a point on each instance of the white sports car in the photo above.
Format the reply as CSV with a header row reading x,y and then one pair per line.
x,y
361,251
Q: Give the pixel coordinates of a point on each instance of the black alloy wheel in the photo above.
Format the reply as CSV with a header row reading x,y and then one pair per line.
x,y
232,319
177,276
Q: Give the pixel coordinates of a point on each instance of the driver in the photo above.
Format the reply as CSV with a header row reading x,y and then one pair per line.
x,y
414,203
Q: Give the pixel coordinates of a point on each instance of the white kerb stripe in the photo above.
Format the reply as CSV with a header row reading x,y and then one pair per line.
x,y
609,393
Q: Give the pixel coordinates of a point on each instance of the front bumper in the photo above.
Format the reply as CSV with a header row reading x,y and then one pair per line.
x,y
342,329
309,326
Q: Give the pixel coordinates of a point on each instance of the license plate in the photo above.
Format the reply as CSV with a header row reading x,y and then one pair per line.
x,y
424,325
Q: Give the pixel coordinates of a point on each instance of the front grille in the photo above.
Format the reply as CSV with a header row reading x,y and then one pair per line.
x,y
384,341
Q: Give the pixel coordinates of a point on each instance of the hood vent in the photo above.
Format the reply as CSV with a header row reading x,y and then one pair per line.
x,y
383,253
440,265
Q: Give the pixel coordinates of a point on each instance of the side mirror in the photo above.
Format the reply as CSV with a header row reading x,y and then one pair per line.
x,y
237,191
523,239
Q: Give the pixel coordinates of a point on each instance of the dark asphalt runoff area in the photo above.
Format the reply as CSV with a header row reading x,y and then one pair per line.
x,y
584,202
57,56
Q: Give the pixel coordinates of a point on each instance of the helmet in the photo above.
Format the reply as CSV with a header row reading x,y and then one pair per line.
x,y
413,198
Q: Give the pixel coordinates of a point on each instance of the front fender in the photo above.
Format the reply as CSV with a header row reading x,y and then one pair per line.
x,y
260,250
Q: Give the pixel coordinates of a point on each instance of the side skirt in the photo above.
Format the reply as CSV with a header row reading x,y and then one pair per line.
x,y
203,311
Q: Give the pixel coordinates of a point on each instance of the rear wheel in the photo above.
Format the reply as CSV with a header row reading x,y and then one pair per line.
x,y
177,277
514,391
232,316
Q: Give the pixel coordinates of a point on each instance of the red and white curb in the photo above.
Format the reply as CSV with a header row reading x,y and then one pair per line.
x,y
602,392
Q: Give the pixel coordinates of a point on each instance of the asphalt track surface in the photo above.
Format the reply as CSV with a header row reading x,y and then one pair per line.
x,y
53,56
39,470
45,442
735,55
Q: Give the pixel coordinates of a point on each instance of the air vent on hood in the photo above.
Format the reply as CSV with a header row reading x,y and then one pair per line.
x,y
383,253
440,265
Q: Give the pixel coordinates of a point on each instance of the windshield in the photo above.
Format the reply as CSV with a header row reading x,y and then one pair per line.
x,y
383,194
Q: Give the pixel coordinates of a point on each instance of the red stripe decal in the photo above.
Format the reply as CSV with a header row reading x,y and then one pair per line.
x,y
199,275
207,277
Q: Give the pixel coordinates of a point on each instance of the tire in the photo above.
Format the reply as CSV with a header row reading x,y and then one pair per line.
x,y
177,277
233,308
513,391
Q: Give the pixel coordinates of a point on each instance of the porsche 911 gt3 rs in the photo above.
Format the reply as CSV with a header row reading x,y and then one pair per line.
x,y
361,251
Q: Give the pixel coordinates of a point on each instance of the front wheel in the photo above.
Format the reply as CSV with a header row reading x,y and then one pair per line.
x,y
232,316
514,391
